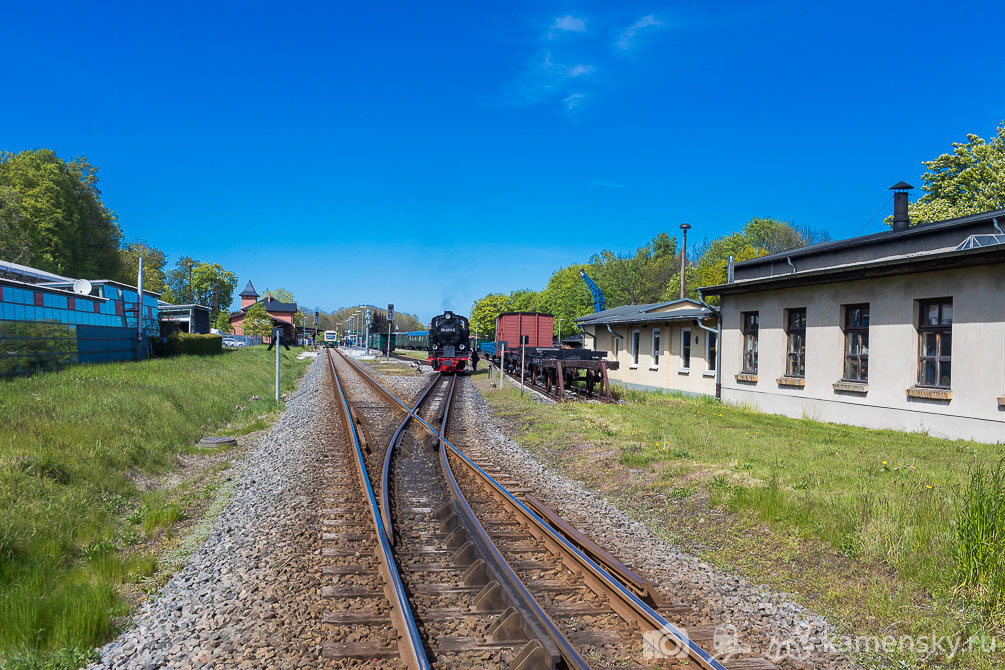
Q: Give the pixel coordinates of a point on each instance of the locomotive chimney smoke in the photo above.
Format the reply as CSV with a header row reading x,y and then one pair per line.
x,y
901,219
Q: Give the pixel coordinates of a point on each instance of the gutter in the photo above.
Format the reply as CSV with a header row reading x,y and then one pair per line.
x,y
718,341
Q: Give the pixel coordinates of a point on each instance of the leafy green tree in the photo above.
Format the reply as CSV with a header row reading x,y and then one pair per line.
x,y
57,209
566,297
223,322
177,280
969,180
257,321
153,265
15,245
213,286
280,294
485,310
522,300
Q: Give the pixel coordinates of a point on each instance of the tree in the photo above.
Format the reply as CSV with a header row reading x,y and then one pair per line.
x,y
213,286
153,265
56,208
15,245
970,180
257,321
177,280
485,310
566,297
280,294
223,323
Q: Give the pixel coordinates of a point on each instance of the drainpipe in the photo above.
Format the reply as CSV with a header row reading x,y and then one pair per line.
x,y
788,259
997,227
718,341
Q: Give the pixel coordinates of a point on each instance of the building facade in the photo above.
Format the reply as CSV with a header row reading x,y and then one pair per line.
x,y
46,325
281,313
903,329
668,346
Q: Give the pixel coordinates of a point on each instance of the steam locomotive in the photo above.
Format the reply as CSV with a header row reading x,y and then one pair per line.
x,y
448,342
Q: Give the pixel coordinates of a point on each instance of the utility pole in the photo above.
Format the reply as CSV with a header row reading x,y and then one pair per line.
x,y
560,331
139,313
683,257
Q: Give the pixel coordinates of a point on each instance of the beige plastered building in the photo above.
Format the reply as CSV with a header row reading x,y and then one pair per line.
x,y
903,329
659,346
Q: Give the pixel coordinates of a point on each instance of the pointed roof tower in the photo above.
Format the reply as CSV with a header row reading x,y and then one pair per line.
x,y
249,291
249,296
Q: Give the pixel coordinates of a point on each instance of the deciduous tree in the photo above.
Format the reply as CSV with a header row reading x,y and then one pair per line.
x,y
257,321
968,180
153,265
485,310
58,209
223,322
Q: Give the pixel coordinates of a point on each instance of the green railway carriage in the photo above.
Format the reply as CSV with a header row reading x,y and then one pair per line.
x,y
416,339
379,340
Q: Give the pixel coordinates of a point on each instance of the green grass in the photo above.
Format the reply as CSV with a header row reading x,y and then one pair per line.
x,y
411,353
72,444
911,528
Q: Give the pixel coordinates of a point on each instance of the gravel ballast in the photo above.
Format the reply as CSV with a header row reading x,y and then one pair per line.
x,y
249,597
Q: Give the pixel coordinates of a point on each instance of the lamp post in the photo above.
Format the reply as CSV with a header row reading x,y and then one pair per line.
x,y
683,257
190,282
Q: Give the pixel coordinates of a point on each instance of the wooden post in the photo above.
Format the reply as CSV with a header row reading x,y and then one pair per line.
x,y
559,378
605,384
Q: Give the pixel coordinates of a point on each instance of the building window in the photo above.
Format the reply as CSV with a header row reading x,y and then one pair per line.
x,y
635,347
795,328
935,330
616,341
685,349
656,347
856,343
750,325
711,345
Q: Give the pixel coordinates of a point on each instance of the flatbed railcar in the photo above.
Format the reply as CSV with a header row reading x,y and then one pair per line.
x,y
525,342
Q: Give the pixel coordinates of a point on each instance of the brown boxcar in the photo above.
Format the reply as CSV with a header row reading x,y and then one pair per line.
x,y
529,329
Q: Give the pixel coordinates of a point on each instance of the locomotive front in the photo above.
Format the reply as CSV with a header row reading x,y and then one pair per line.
x,y
448,342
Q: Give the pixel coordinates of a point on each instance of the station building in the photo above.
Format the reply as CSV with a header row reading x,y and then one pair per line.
x,y
281,313
664,346
45,324
903,329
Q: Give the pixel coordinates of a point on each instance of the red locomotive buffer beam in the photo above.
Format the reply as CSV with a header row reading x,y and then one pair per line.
x,y
448,364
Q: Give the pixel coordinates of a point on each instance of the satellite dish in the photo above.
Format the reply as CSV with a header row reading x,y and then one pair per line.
x,y
82,287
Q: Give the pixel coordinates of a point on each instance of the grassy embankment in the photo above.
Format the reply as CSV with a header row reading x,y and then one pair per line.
x,y
80,450
887,533
412,353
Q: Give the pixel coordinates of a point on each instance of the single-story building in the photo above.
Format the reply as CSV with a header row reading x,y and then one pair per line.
x,y
664,346
903,329
189,318
281,313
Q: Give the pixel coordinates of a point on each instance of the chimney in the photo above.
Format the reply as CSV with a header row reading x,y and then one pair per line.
x,y
729,270
901,220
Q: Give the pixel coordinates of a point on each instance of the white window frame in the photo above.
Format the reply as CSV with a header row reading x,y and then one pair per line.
x,y
684,368
655,348
709,359
635,345
614,346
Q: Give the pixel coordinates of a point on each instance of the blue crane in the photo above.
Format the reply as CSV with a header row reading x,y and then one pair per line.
x,y
599,301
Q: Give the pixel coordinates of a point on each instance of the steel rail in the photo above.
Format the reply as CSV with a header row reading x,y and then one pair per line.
x,y
631,606
413,654
385,479
518,591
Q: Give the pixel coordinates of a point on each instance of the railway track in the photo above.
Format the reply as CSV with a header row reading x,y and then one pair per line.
x,y
475,574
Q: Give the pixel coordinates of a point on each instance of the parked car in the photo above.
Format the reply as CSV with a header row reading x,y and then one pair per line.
x,y
229,342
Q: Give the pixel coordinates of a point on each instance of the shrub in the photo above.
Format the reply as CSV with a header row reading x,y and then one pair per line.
x,y
177,343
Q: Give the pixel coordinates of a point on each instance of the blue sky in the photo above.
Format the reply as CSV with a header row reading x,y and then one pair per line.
x,y
428,153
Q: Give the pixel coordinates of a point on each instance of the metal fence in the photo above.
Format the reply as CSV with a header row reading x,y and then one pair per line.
x,y
248,340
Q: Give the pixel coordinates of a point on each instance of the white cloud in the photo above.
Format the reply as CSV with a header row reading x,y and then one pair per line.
x,y
628,35
573,100
579,70
569,23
